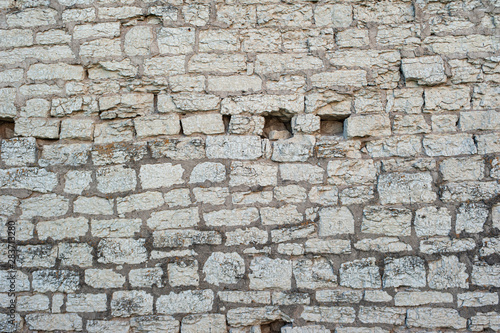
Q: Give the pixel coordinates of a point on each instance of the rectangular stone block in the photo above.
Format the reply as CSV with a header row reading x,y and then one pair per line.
x,y
405,188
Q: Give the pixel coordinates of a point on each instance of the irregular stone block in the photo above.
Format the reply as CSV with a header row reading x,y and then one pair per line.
x,y
405,188
189,301
128,303
314,274
386,221
424,70
234,147
446,273
434,318
121,251
270,273
216,272
405,271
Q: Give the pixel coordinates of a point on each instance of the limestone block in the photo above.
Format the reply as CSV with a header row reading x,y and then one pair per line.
x,y
314,274
19,151
114,228
263,104
210,123
216,268
75,254
55,71
432,221
359,274
211,171
446,245
440,99
189,301
183,273
138,202
138,41
215,323
246,237
386,221
385,315
471,217
54,322
404,271
283,215
155,324
160,66
121,251
405,188
160,175
234,147
219,63
80,129
447,272
115,179
176,40
103,278
234,83
86,303
323,314
128,303
352,78
367,125
270,273
146,277
424,70
73,154
153,126
485,275
434,318
71,227
382,244
185,238
55,280
239,317
477,299
218,40
234,217
296,149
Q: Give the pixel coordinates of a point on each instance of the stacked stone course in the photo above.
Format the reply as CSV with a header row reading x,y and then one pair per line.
x,y
251,165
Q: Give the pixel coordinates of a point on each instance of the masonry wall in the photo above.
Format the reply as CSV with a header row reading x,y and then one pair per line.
x,y
243,165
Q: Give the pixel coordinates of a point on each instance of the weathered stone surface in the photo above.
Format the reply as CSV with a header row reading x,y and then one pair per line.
x,y
334,221
121,251
405,188
477,299
71,227
483,321
54,322
104,278
331,246
485,275
367,125
314,274
424,70
447,272
183,273
386,315
405,271
229,147
174,219
128,303
329,314
296,149
115,228
446,245
434,318
382,244
226,268
189,301
235,217
55,280
185,238
155,324
471,217
270,273
215,323
253,316
160,175
359,274
283,215
349,172
386,221
115,179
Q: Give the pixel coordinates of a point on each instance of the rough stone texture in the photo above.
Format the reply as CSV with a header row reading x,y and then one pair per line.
x,y
241,165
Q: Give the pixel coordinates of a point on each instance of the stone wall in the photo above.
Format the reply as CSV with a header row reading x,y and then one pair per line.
x,y
243,165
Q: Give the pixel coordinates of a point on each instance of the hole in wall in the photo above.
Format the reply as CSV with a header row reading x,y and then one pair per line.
x,y
6,129
276,128
331,126
274,327
226,119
